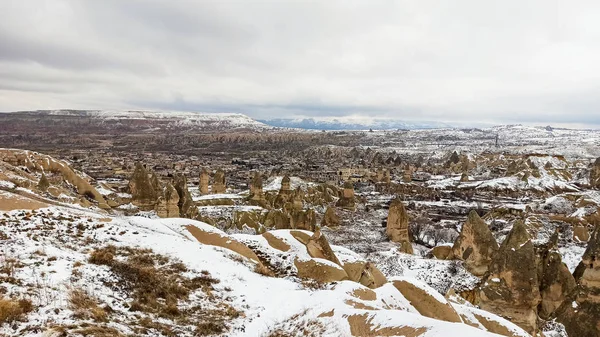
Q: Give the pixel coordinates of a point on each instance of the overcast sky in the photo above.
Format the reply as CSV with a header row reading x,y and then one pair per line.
x,y
454,61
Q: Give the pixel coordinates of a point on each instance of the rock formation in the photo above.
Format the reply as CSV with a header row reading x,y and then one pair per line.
x,y
203,181
143,192
219,182
34,161
285,193
43,184
397,226
330,218
346,200
595,174
510,287
475,245
187,208
556,282
285,185
580,313
168,203
256,187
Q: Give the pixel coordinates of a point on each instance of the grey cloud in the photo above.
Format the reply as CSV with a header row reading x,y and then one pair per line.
x,y
464,61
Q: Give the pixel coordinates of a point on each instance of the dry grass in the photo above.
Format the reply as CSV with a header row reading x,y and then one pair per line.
x,y
14,310
260,268
85,306
158,286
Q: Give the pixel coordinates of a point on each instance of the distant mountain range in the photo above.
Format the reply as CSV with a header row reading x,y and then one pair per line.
x,y
352,123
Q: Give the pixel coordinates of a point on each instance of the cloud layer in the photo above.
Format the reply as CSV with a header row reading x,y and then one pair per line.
x,y
463,61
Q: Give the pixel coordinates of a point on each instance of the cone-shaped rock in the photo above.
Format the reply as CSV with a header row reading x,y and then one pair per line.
x,y
143,191
204,178
397,226
510,288
595,174
475,245
43,184
168,204
219,182
580,313
556,282
187,209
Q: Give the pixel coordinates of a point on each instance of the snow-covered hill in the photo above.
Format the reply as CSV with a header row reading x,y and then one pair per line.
x,y
174,118
352,123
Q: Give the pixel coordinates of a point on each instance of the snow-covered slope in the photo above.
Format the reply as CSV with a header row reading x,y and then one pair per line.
x,y
352,123
82,273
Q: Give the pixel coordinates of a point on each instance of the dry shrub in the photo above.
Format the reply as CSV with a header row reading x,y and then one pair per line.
x,y
103,256
260,268
85,306
14,310
210,328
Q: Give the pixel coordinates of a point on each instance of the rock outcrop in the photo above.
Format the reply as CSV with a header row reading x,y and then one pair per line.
x,y
510,287
330,218
203,181
168,203
580,312
346,200
475,245
42,163
556,282
187,208
143,191
397,226
219,185
595,174
256,188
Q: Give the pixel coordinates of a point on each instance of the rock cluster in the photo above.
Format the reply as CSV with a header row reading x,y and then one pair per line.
x,y
397,226
510,288
42,163
580,312
347,200
595,174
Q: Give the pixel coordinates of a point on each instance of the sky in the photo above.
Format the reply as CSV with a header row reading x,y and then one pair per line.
x,y
462,61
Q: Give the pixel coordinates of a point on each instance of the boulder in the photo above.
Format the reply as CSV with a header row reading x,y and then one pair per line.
x,y
510,287
330,218
318,247
319,271
475,245
397,226
442,253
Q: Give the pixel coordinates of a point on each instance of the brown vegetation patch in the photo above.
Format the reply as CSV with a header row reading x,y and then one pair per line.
x,y
14,310
157,286
85,306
